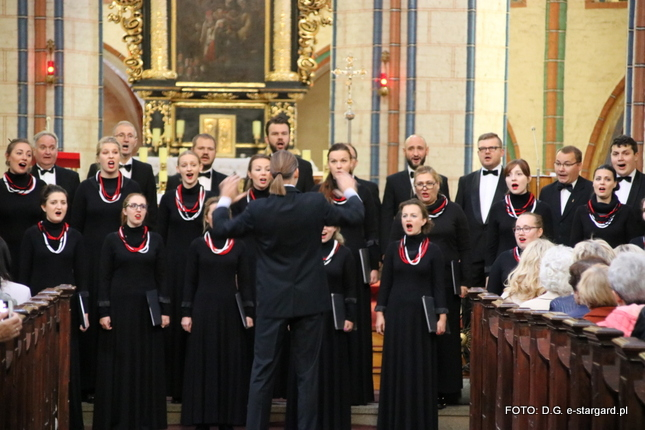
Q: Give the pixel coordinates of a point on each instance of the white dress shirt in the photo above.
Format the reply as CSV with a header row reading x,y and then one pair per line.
x,y
487,186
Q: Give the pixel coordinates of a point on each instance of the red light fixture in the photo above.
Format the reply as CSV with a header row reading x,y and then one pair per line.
x,y
384,81
50,70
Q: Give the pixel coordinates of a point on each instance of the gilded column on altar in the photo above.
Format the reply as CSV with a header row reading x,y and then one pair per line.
x,y
281,70
159,42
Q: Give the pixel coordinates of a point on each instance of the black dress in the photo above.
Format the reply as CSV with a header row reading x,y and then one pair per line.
x,y
335,409
41,268
408,398
18,211
501,268
638,241
218,359
451,233
178,233
358,237
130,389
619,226
253,194
95,218
499,235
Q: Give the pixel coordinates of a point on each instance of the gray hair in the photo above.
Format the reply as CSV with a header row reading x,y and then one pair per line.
x,y
593,248
627,277
554,270
628,247
128,123
45,133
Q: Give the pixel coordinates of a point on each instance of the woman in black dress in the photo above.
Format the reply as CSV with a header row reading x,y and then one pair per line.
x,y
19,199
52,254
179,222
364,236
258,180
640,240
96,212
218,359
450,232
604,217
519,200
130,391
528,227
412,268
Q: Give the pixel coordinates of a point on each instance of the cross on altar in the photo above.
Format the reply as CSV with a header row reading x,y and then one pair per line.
x,y
349,73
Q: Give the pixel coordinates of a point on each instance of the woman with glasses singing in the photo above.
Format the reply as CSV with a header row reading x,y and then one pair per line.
x,y
133,309
179,222
451,233
528,228
503,215
604,217
96,212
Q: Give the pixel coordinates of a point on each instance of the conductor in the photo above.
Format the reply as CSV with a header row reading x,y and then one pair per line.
x,y
291,286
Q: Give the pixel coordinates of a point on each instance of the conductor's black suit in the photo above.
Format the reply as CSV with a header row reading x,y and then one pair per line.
x,y
291,289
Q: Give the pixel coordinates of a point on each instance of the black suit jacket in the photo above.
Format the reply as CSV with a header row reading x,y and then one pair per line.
x,y
468,199
376,195
216,178
563,221
143,175
291,278
397,190
69,180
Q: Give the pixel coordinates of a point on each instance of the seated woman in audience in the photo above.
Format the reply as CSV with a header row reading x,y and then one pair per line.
x,y
604,216
569,304
17,292
628,247
528,228
503,214
593,248
523,283
595,292
627,279
554,277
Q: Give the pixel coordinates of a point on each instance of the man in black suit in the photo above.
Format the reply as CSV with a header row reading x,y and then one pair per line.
x,y
371,186
278,136
570,191
476,194
46,154
205,147
291,283
140,172
624,152
398,186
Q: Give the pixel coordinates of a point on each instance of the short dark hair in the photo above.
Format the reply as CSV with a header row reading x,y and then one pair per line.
x,y
624,140
572,149
49,190
524,167
278,119
424,213
613,172
204,136
490,135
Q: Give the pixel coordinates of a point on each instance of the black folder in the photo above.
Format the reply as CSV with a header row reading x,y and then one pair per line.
x,y
431,315
155,308
455,270
240,308
364,253
338,309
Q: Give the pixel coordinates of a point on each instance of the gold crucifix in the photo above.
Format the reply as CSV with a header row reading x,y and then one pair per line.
x,y
350,73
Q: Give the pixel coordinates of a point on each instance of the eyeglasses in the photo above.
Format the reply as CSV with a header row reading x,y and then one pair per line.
x,y
424,185
526,229
123,135
567,165
488,148
135,206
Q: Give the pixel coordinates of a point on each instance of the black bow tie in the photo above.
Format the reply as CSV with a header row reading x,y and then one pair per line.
x,y
206,174
562,186
127,167
43,171
411,175
625,178
490,172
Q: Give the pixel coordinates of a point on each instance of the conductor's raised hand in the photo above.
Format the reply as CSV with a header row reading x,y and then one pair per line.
x,y
229,187
345,181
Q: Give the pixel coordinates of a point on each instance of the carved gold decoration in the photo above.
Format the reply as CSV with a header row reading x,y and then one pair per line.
x,y
159,42
163,107
282,43
177,94
262,96
223,128
309,23
221,96
296,96
128,14
144,94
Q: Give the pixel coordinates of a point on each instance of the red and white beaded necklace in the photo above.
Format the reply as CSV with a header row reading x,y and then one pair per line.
x,y
13,188
405,257
103,194
228,245
145,245
327,260
196,210
62,237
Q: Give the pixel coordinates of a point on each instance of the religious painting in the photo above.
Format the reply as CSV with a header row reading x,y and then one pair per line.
x,y
219,41
223,128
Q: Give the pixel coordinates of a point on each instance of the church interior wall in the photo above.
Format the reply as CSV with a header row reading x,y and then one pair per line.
x,y
8,70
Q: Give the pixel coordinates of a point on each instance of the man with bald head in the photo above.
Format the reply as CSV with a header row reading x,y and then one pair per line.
x,y
398,186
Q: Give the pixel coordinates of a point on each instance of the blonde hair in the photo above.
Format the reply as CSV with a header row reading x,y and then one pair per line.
x,y
337,236
523,282
207,204
594,289
105,140
427,170
188,152
628,247
283,165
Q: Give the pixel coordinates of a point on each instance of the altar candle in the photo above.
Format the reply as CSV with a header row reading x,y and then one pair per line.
x,y
181,126
306,154
257,129
156,135
163,156
143,154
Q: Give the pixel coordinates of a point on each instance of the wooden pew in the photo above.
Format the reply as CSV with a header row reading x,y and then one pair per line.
x,y
504,385
559,376
580,372
489,359
539,338
631,408
476,358
521,366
